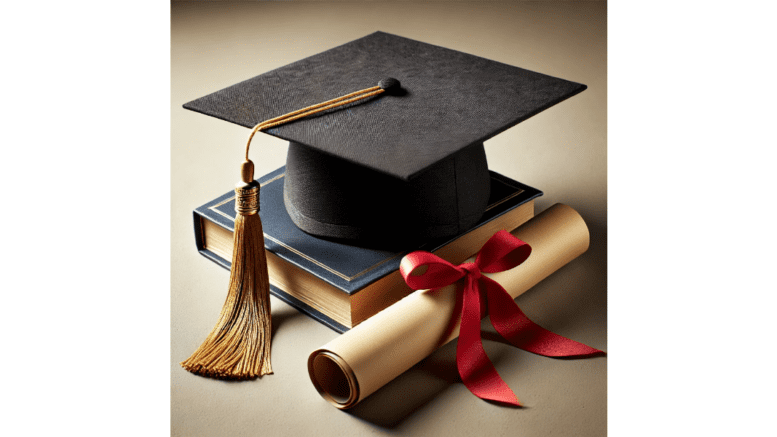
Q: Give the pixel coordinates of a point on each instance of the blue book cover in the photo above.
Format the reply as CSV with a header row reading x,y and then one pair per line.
x,y
347,268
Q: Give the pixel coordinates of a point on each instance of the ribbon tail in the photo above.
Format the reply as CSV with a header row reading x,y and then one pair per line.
x,y
512,324
475,368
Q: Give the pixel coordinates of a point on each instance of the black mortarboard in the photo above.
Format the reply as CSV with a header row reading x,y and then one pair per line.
x,y
403,165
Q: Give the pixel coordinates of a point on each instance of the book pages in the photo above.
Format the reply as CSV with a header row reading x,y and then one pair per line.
x,y
364,359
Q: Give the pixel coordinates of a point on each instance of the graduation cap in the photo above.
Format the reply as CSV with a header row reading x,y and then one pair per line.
x,y
385,134
398,166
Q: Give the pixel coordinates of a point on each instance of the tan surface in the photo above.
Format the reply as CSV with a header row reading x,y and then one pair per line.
x,y
561,151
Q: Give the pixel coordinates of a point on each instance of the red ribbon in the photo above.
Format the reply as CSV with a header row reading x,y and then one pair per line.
x,y
502,251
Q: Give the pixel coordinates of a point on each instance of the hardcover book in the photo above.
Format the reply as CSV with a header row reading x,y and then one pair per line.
x,y
338,284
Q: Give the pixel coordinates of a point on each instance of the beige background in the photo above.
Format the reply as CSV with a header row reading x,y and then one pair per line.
x,y
561,151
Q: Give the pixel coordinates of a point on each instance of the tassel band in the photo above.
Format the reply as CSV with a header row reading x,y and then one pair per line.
x,y
247,198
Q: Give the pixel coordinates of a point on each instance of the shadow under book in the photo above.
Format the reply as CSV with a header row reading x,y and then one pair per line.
x,y
342,285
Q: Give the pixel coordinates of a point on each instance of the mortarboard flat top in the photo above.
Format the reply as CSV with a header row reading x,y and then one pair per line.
x,y
450,100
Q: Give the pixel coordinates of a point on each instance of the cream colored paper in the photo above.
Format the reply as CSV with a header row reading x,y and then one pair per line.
x,y
364,359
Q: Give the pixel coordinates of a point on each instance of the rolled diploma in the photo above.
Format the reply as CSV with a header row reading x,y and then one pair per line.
x,y
364,359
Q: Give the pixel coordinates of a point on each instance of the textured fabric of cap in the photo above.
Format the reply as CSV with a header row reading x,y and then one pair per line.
x,y
449,100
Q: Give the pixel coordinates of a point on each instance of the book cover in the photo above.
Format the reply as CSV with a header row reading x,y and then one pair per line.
x,y
347,268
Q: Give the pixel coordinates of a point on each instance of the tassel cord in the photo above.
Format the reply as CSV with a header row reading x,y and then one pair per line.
x,y
314,109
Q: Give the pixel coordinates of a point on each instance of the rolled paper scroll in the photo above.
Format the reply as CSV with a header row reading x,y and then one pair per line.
x,y
364,359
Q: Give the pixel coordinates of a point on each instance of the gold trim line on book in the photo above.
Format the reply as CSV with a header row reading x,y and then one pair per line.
x,y
494,205
319,263
327,268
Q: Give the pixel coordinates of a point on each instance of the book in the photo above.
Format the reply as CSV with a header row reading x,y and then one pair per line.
x,y
338,284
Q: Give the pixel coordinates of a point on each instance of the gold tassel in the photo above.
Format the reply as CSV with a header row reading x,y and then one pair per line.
x,y
239,345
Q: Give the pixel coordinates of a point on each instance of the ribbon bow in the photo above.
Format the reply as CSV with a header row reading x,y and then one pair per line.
x,y
502,251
